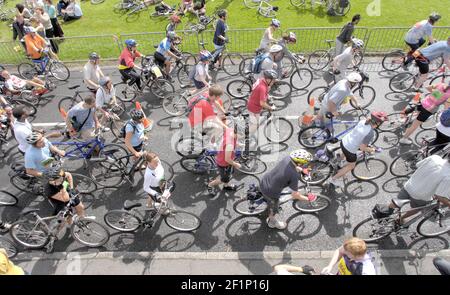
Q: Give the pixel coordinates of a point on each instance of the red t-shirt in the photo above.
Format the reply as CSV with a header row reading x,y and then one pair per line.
x,y
126,59
260,92
228,139
202,110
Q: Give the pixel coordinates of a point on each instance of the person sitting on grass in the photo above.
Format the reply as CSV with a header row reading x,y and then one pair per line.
x,y
72,12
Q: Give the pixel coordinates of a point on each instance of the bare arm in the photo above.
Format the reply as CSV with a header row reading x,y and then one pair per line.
x,y
336,256
287,267
34,172
69,179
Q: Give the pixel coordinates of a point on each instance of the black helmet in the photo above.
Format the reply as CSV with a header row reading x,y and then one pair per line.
x,y
222,13
136,114
53,173
33,137
435,16
94,56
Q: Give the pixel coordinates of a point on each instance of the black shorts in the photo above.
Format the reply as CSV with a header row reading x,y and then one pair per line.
x,y
424,66
225,173
350,157
159,59
60,205
416,46
138,148
423,113
272,203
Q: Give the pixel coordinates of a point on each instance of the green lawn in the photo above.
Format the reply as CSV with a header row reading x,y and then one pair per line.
x,y
100,20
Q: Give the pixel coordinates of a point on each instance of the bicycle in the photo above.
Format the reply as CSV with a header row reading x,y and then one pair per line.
x,y
404,81
230,61
129,219
27,93
394,60
45,66
320,59
123,7
202,24
338,8
94,2
263,6
434,221
38,232
7,199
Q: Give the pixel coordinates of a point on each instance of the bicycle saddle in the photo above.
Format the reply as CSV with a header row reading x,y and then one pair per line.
x,y
155,46
73,87
400,203
128,205
28,211
331,148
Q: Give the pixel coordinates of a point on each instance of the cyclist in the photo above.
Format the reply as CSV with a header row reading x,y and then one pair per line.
x,y
285,174
127,65
35,46
442,265
82,119
92,72
105,98
225,162
442,132
164,53
439,94
339,94
199,7
351,259
134,133
22,128
358,139
257,100
16,85
286,39
175,20
345,36
341,62
270,61
424,56
201,76
153,178
415,36
220,38
268,38
40,149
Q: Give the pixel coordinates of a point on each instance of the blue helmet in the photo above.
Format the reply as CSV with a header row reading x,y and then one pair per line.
x,y
205,55
130,42
445,118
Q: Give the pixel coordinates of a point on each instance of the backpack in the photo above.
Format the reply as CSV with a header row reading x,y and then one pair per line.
x,y
381,211
123,131
445,118
257,62
192,105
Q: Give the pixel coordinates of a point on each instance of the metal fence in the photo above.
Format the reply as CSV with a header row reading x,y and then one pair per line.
x,y
245,41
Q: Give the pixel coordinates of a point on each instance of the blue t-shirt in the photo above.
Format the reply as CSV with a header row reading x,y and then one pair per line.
x,y
220,31
34,156
137,131
435,50
164,46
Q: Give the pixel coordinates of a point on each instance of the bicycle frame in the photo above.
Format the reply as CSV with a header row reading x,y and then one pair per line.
x,y
425,211
330,126
79,146
43,63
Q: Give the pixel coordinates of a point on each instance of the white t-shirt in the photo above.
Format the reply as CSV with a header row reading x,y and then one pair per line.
x,y
152,178
102,97
344,59
91,72
266,64
265,41
15,83
201,70
418,31
361,134
432,177
444,130
337,94
21,131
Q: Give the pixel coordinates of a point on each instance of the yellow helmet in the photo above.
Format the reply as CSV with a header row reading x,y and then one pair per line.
x,y
301,156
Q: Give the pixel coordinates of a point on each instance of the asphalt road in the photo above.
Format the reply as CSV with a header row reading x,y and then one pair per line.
x,y
223,229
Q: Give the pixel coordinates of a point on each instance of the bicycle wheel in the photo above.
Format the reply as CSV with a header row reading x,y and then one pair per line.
x,y
250,207
436,64
190,28
90,232
198,165
189,58
365,96
9,247
189,146
321,203
116,128
59,71
313,137
287,67
342,11
393,60
106,174
239,89
318,173
267,12
252,3
251,165
119,108
7,199
317,93
122,220
401,82
83,183
430,123
66,103
183,75
372,230
278,130
125,92
97,1
29,234
440,79
175,104
28,95
183,221
395,121
436,224
357,60
245,66
298,3
23,183
319,59
301,79
231,63
113,151
161,87
280,90
372,169
27,71
405,164
30,107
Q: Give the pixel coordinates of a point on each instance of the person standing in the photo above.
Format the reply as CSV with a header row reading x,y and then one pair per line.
x,y
51,11
220,38
81,119
201,76
44,19
346,33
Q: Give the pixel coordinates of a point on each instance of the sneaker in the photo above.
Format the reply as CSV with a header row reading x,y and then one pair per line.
x,y
336,182
211,191
231,187
404,140
275,223
105,129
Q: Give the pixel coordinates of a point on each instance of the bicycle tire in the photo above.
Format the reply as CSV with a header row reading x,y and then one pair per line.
x,y
111,175
189,146
301,78
193,165
280,90
268,12
390,60
440,219
114,151
86,225
239,89
27,71
405,164
321,203
66,103
436,64
183,75
440,79
125,92
116,128
278,130
189,59
40,239
30,97
22,184
175,105
28,105
319,172
317,93
97,1
182,221
250,208
161,87
395,121
430,123
298,3
371,163
10,248
288,66
357,60
83,184
251,165
401,82
365,96
319,59
230,63
317,135
251,3
59,71
7,199
244,66
344,11
119,109
126,221
381,231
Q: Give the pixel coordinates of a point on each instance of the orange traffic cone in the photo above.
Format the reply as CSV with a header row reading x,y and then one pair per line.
x,y
416,97
147,123
63,113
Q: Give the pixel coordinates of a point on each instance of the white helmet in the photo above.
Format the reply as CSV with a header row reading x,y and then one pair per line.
x,y
354,77
275,48
358,43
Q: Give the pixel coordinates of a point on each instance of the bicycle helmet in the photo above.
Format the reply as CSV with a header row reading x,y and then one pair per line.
x,y
445,118
29,29
33,137
301,156
205,55
130,43
222,13
103,81
275,48
175,18
358,43
435,16
270,74
171,35
53,173
378,117
94,56
354,77
276,23
292,37
136,114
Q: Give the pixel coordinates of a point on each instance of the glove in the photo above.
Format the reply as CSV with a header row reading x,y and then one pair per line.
x,y
308,270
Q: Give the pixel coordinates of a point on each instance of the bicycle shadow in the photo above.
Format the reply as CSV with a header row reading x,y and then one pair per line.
x,y
331,215
395,184
358,189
